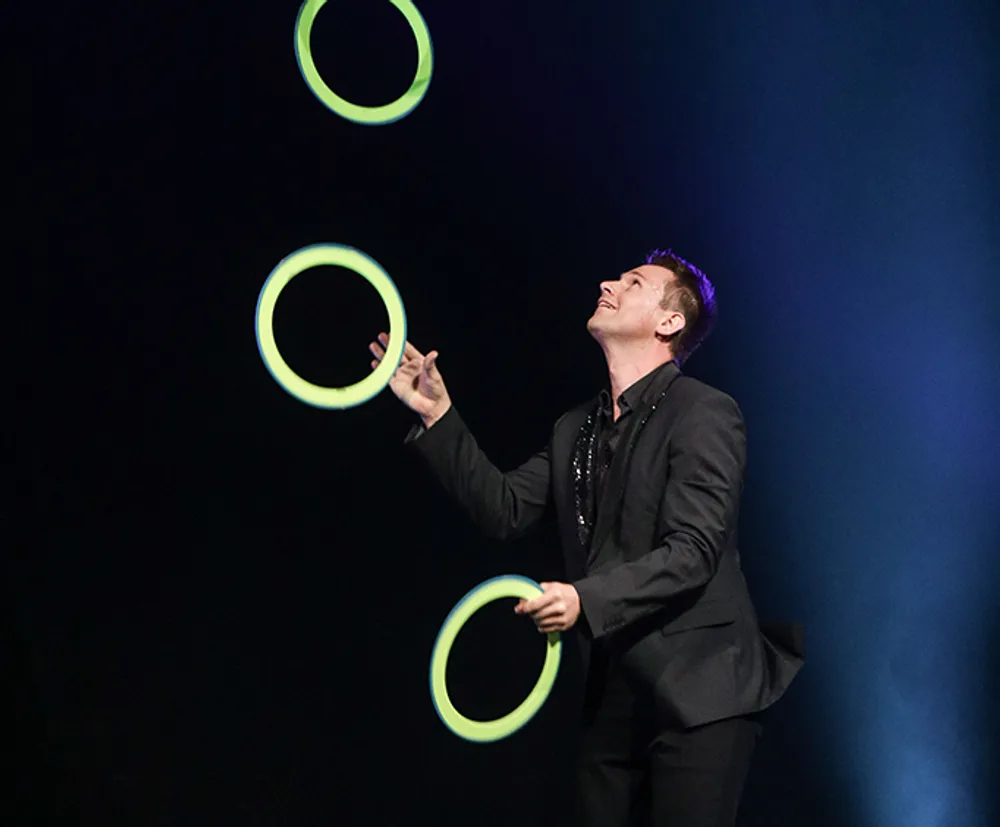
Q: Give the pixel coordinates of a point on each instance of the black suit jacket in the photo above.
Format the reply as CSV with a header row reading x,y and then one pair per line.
x,y
658,571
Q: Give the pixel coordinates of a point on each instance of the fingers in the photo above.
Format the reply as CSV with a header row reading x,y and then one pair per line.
x,y
547,617
430,366
406,367
549,613
409,351
558,620
378,349
531,607
411,356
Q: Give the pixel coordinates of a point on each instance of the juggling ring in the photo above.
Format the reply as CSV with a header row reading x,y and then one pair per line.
x,y
370,115
316,395
483,731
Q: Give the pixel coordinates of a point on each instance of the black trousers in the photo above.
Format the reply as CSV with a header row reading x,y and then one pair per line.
x,y
638,768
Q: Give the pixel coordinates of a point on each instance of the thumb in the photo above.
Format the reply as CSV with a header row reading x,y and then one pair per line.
x,y
430,365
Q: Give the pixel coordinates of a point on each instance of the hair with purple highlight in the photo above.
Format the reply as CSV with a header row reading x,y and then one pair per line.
x,y
693,295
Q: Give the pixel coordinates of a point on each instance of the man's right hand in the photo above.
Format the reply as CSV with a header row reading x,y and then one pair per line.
x,y
417,382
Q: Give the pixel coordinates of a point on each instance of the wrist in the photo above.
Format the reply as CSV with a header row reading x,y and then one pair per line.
x,y
431,418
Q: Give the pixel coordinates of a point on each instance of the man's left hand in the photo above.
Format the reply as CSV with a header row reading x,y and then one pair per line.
x,y
556,610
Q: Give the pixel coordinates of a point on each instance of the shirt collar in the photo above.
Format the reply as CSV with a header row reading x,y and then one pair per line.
x,y
639,391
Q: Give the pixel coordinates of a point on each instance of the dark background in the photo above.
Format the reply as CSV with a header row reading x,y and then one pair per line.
x,y
222,602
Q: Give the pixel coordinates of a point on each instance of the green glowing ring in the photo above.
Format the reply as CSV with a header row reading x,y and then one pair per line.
x,y
510,585
287,269
370,115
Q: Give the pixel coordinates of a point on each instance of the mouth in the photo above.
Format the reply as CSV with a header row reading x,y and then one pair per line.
x,y
605,304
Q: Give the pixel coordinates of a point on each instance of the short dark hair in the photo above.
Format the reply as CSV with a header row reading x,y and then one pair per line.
x,y
693,295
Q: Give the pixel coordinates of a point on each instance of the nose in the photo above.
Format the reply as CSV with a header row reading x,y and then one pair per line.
x,y
606,288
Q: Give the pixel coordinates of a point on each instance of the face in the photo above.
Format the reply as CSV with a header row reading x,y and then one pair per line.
x,y
629,309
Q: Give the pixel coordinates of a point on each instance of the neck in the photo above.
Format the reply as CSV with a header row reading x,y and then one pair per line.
x,y
628,364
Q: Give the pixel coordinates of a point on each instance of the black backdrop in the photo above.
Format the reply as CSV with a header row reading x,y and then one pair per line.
x,y
224,601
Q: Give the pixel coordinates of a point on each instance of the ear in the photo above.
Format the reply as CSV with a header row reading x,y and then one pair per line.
x,y
671,323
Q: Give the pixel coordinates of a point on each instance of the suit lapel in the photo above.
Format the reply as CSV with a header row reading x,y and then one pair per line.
x,y
609,507
583,466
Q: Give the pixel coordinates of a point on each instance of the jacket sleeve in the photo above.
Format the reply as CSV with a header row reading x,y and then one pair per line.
x,y
706,459
502,505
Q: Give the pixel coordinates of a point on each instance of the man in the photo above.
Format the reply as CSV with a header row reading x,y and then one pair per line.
x,y
644,483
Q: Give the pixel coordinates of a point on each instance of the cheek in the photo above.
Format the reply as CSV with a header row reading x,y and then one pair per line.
x,y
648,311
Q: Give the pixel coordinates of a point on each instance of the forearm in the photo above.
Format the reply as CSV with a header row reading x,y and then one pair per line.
x,y
627,592
501,505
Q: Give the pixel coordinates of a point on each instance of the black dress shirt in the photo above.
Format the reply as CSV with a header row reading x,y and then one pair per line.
x,y
610,430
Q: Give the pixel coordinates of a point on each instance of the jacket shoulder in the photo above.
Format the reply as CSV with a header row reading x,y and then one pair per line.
x,y
688,391
579,411
573,419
